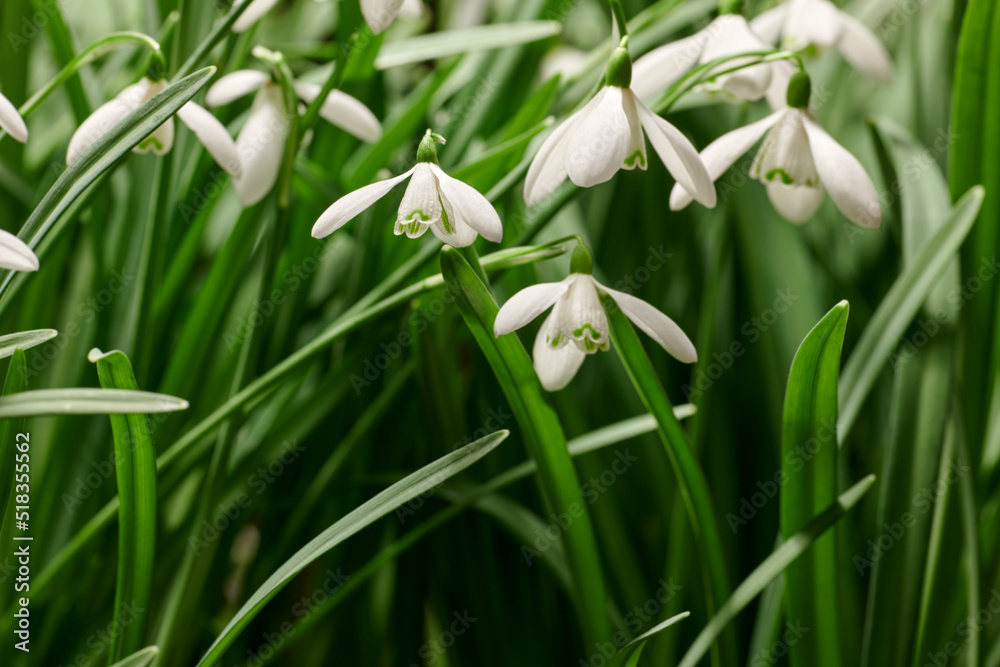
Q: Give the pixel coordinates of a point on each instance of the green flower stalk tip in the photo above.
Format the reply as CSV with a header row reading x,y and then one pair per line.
x,y
582,261
799,90
730,7
156,68
427,150
620,66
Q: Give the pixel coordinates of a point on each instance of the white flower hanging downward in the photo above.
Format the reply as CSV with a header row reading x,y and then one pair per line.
x,y
796,161
607,135
578,325
727,35
261,141
212,134
380,13
11,121
15,255
800,24
452,210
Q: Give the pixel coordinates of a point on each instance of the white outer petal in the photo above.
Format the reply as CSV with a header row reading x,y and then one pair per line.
x,y
380,13
863,50
599,144
731,35
213,135
528,304
769,24
344,111
350,205
11,121
844,178
15,254
722,153
812,22
548,168
471,207
261,145
658,326
657,70
253,13
235,85
555,367
108,114
679,156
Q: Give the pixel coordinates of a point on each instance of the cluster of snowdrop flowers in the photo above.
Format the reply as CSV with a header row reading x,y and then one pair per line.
x,y
454,212
15,255
607,134
261,141
378,13
578,323
796,162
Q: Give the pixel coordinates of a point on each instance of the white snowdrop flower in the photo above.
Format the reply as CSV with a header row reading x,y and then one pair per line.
x,y
728,35
212,133
15,255
380,13
796,162
11,121
578,324
800,24
260,143
452,210
609,134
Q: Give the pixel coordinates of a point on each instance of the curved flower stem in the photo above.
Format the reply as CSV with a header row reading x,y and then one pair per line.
x,y
619,13
221,30
99,48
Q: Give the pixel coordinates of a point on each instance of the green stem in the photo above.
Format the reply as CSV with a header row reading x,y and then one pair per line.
x,y
218,33
690,478
619,13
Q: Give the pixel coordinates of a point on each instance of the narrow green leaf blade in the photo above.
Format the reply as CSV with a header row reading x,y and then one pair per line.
x,y
900,305
87,402
24,340
102,156
436,45
17,381
809,467
139,658
399,493
135,469
772,567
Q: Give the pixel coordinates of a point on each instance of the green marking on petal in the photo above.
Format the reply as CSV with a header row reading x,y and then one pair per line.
x,y
786,178
417,214
636,159
445,222
594,333
554,342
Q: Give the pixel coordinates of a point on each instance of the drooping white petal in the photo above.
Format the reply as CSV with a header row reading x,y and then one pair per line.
x,y
15,255
350,205
261,145
111,112
252,14
722,153
380,13
731,35
600,142
679,156
421,206
470,207
811,22
657,326
768,24
411,9
528,304
863,50
235,85
557,364
657,70
456,233
796,203
344,111
786,155
213,135
548,168
844,178
11,121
